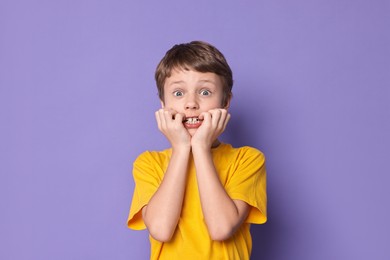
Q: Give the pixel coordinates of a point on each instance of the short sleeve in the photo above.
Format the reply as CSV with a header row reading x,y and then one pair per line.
x,y
248,183
147,179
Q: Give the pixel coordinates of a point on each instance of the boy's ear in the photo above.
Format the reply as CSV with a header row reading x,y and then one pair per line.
x,y
228,102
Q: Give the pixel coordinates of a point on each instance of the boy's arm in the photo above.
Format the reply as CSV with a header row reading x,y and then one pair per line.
x,y
222,214
162,213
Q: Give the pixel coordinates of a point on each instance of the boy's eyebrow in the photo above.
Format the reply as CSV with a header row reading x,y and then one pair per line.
x,y
200,81
176,82
210,83
207,81
173,83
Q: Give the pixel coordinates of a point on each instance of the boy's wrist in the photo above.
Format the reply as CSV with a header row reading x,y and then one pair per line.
x,y
181,148
204,145
200,148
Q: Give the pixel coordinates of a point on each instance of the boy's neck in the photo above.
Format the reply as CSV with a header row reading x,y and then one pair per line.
x,y
216,143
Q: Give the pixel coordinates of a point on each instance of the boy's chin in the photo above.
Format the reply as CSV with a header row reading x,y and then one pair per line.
x,y
192,131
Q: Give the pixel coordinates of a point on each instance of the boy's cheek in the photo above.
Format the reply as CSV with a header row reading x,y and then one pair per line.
x,y
170,110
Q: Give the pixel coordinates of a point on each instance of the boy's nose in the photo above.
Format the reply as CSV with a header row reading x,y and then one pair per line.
x,y
191,102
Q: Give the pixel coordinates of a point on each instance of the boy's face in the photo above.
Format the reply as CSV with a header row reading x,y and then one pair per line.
x,y
190,93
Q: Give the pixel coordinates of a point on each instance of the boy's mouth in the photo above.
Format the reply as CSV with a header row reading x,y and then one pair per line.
x,y
192,120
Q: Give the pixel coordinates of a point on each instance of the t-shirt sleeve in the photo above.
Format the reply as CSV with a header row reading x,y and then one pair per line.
x,y
248,183
147,180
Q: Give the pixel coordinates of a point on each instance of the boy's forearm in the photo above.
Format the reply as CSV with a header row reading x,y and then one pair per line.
x,y
162,213
222,214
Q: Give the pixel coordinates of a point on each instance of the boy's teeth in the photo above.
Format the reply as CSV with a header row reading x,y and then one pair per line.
x,y
192,120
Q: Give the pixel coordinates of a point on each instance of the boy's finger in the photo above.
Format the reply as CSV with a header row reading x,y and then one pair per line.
x,y
179,117
216,116
205,116
226,121
168,116
222,118
160,119
156,114
172,112
224,114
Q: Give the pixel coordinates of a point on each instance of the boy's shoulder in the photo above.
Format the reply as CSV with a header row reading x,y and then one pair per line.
x,y
227,150
239,149
154,155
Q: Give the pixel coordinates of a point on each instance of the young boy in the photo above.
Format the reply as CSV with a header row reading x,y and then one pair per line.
x,y
198,198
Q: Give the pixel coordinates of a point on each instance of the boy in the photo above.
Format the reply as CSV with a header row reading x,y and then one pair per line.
x,y
198,198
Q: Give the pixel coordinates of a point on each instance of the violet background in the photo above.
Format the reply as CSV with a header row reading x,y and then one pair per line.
x,y
77,102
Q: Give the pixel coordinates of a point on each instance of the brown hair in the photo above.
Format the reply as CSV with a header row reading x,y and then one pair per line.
x,y
199,56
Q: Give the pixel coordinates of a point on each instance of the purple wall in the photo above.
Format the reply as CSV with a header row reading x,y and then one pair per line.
x,y
77,97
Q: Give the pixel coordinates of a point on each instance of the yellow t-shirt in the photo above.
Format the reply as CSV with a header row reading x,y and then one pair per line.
x,y
242,173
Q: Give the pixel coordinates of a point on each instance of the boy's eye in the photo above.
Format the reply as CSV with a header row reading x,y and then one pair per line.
x,y
205,92
178,93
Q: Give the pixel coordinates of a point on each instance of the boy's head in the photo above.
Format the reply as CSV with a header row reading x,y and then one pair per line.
x,y
198,56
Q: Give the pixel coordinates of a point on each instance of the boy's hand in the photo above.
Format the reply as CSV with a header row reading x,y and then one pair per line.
x,y
214,123
170,123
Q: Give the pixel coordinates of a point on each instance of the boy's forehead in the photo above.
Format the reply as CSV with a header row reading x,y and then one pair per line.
x,y
178,75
